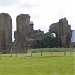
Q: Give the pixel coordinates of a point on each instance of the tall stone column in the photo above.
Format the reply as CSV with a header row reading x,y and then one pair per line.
x,y
5,32
22,24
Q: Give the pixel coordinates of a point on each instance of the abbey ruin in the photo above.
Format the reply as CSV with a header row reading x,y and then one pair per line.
x,y
5,32
63,31
25,30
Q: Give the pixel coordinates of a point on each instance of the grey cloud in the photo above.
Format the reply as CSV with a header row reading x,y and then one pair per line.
x,y
26,4
6,3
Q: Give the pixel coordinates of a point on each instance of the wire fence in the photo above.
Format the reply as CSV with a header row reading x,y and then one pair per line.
x,y
53,51
42,52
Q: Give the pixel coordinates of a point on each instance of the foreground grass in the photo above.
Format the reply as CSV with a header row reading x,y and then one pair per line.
x,y
37,65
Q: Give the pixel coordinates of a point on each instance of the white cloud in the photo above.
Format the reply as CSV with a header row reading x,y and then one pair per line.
x,y
42,12
28,4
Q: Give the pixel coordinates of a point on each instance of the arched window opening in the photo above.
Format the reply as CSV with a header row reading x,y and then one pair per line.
x,y
53,35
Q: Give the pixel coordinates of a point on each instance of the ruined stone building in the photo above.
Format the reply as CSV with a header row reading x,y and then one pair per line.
x,y
31,29
5,32
22,26
34,33
24,30
63,31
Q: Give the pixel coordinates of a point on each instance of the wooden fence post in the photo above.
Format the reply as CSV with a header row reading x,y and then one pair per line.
x,y
11,52
16,53
41,51
70,53
51,52
0,55
64,53
31,53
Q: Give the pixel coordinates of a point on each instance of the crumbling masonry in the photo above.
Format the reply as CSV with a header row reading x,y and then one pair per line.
x,y
24,29
5,33
63,31
22,23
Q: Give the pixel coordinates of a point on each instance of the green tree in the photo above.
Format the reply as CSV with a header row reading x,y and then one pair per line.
x,y
51,42
30,42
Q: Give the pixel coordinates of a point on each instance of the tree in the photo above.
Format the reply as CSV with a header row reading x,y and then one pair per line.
x,y
30,42
51,42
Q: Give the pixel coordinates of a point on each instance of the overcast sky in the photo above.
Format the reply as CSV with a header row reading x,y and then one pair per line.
x,y
43,12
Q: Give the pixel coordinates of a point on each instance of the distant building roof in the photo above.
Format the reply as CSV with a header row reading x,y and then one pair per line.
x,y
73,36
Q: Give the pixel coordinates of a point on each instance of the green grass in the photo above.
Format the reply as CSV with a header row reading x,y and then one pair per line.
x,y
52,49
45,65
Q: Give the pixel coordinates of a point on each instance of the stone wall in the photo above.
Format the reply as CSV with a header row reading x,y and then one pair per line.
x,y
22,22
63,31
5,32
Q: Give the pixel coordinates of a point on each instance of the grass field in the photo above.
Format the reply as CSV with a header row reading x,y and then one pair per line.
x,y
37,65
